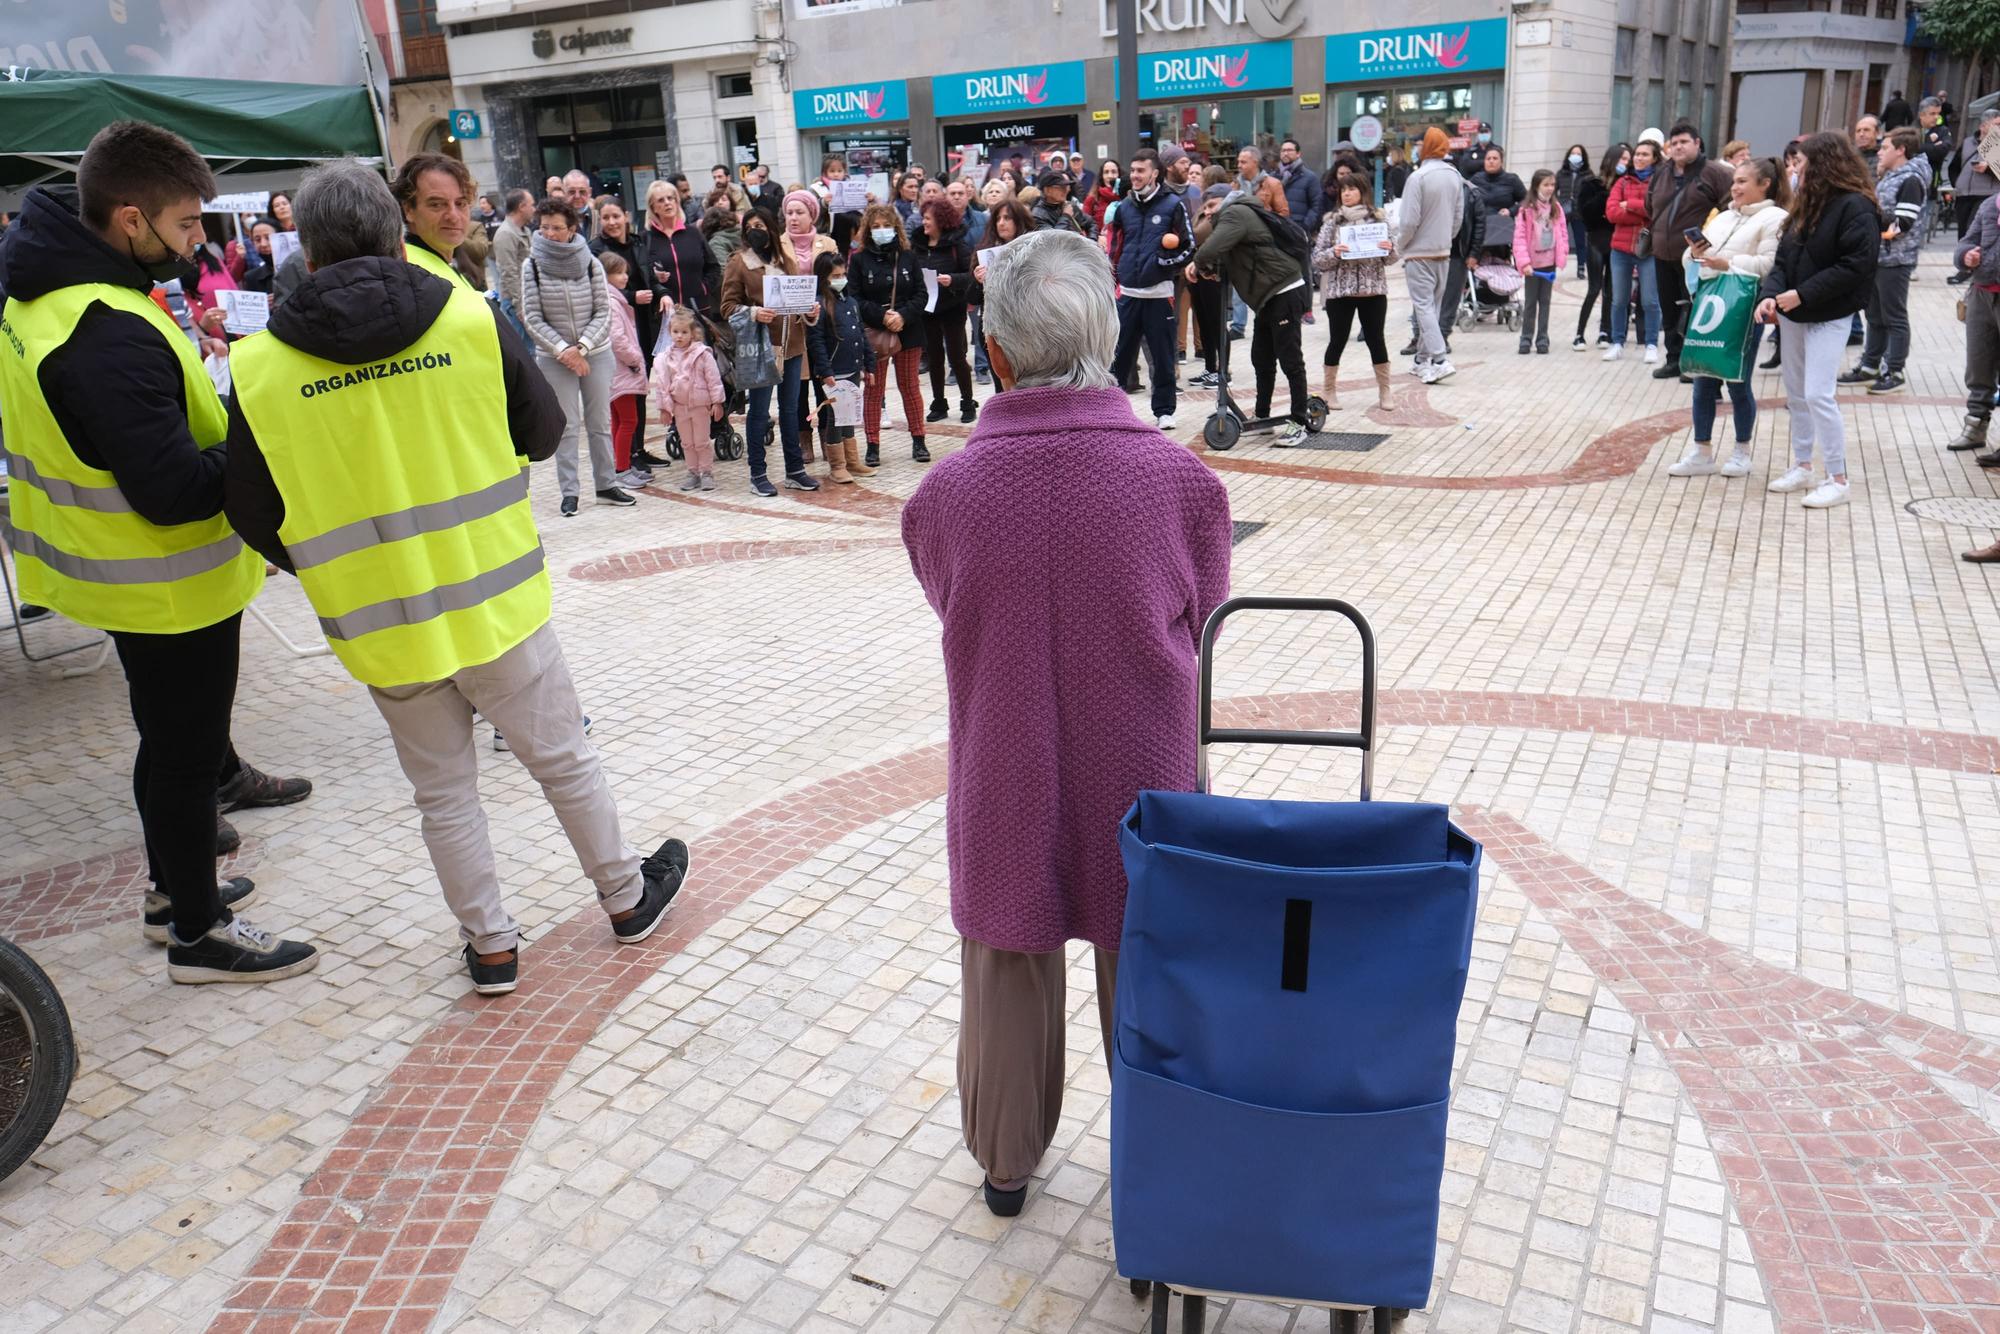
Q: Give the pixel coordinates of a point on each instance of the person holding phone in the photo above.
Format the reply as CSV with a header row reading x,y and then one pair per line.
x,y
1901,192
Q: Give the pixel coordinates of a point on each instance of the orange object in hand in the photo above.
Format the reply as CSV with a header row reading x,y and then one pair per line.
x,y
1171,241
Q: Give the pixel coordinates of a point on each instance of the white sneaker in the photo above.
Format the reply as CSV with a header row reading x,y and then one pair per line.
x,y
1737,464
1165,423
1652,354
1438,370
1697,462
1615,352
1798,479
1826,495
1290,435
1577,344
1417,368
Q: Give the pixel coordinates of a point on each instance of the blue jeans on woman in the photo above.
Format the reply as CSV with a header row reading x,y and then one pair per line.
x,y
1742,399
1622,266
788,419
1579,242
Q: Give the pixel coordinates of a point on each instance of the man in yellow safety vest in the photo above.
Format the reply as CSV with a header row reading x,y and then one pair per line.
x,y
435,193
114,435
376,439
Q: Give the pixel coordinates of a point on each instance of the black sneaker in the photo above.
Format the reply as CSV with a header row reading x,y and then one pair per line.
x,y
800,481
873,457
918,452
968,411
665,874
32,612
227,840
493,979
158,915
1004,1203
1861,374
235,951
650,459
569,507
616,495
1667,370
762,486
1889,382
939,412
1959,279
252,787
1410,348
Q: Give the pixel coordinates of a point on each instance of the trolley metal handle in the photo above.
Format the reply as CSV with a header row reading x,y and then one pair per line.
x,y
1363,740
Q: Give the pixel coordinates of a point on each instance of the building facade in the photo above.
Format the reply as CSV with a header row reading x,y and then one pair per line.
x,y
1800,70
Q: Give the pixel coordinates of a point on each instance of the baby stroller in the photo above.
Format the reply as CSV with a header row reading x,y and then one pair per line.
x,y
727,439
1495,291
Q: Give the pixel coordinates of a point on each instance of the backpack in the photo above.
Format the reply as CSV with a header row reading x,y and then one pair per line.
x,y
1472,221
1287,235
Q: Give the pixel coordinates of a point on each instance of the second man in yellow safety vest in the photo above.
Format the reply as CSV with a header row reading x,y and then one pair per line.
x,y
377,440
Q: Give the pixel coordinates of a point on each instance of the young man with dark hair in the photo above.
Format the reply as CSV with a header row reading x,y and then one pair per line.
x,y
1682,196
435,193
1901,192
1153,238
115,434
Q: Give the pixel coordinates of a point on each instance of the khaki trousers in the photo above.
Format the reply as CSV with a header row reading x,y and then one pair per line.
x,y
1010,1052
527,694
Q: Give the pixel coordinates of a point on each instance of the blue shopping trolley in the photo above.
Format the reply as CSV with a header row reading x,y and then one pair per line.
x,y
1288,988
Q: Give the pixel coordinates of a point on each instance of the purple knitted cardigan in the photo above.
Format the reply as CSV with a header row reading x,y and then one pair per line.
x,y
1072,553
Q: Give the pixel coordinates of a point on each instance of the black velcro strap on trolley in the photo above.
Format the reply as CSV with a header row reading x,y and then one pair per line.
x,y
1298,943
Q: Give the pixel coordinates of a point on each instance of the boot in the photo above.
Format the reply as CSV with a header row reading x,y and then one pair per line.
x,y
874,458
918,452
1329,378
855,467
806,440
1383,399
836,462
1970,436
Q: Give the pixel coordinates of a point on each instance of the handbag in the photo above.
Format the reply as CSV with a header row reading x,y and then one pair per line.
x,y
1642,244
756,363
888,344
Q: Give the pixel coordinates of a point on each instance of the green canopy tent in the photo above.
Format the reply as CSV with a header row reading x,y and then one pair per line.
x,y
239,126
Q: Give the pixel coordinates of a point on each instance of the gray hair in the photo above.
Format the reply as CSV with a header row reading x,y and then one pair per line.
x,y
1930,104
343,211
1051,308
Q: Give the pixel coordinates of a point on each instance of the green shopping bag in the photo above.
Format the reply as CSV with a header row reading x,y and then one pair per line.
x,y
1719,327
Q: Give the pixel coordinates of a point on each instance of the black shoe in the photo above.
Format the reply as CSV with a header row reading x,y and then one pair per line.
x,y
939,412
1004,1203
234,951
650,459
1774,362
873,457
762,486
1522,350
252,787
1667,370
1990,459
918,452
616,495
968,411
227,840
569,507
493,979
1861,374
1856,339
158,913
1889,382
664,874
1410,348
1959,279
32,612
1541,347
800,481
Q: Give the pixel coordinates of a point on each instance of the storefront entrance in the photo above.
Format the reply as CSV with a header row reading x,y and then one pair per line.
x,y
977,148
1218,130
615,136
1406,110
875,159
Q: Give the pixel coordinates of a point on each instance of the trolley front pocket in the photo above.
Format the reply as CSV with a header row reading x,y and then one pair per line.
x,y
1208,1192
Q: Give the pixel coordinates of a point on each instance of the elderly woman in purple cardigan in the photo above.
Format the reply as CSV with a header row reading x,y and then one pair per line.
x,y
1072,553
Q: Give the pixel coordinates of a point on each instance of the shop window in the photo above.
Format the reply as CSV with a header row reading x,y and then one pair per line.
x,y
638,104
552,117
593,112
1622,54
733,85
1621,110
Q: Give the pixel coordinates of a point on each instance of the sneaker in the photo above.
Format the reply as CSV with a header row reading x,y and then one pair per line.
x,y
252,787
1577,344
616,496
664,875
1290,436
1861,374
493,979
569,507
1958,279
235,951
500,742
158,914
227,840
1889,382
1523,349
632,479
939,412
650,459
1826,495
1235,332
692,482
800,481
1439,370
1697,462
1616,352
1737,464
762,486
708,481
1604,340
1652,354
1165,423
32,612
918,452
982,377
1796,479
1206,380
968,411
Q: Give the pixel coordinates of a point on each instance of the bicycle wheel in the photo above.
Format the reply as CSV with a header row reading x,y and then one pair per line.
x,y
37,1057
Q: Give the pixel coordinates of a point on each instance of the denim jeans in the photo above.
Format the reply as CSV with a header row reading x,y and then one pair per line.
x,y
788,419
1239,312
1622,265
979,363
1579,241
1742,399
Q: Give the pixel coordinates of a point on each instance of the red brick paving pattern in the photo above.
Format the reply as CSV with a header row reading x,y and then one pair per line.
x,y
1871,1197
663,560
75,896
389,1218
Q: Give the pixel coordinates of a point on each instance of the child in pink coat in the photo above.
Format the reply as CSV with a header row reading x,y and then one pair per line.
x,y
1541,245
628,377
687,384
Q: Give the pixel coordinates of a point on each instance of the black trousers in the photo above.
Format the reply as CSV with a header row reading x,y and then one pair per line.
x,y
1205,301
1340,313
182,689
1598,267
1672,280
1149,320
1963,206
1275,342
1452,297
944,335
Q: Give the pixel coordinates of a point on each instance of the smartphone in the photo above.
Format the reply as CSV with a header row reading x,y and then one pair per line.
x,y
1693,235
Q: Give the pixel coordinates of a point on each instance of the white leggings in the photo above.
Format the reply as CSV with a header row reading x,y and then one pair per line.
x,y
1813,354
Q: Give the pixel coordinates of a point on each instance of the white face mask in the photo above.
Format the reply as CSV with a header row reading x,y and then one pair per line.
x,y
837,284
882,235
1575,161
1794,178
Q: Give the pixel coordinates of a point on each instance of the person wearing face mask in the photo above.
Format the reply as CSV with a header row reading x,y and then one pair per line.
x,y
889,288
116,434
765,251
1573,172
1472,157
1592,194
1628,213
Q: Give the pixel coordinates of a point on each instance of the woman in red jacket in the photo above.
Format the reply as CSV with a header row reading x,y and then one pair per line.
x,y
1627,214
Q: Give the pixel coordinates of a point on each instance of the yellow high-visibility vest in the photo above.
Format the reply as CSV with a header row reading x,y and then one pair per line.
x,y
424,257
79,546
406,507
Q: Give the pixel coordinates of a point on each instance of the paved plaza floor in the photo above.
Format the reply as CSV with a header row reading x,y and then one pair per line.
x,y
1729,1058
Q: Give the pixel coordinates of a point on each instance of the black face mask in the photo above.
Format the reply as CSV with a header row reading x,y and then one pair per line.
x,y
759,240
175,265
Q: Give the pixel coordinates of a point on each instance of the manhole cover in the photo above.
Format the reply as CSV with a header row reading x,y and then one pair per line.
x,y
1242,528
1352,442
1964,511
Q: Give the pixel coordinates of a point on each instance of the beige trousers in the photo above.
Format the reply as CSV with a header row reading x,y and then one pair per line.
x,y
527,694
1010,1052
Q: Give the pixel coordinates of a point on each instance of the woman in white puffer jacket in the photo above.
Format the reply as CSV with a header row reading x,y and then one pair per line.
x,y
1743,238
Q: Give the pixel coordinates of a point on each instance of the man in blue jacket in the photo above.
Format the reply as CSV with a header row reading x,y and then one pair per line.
x,y
1302,188
1153,238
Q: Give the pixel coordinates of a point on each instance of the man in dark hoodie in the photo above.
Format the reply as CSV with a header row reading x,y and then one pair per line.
x,y
376,443
114,435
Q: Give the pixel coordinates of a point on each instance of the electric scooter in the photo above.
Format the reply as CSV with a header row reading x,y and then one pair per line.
x,y
1227,424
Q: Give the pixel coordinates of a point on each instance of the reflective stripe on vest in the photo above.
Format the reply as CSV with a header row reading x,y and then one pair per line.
x,y
406,507
429,260
80,546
